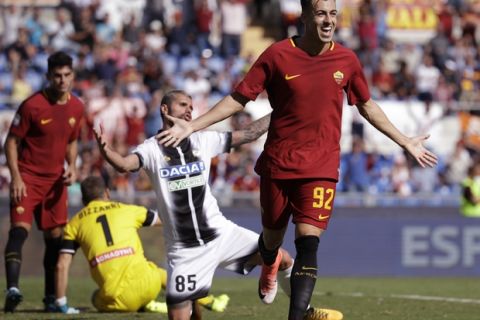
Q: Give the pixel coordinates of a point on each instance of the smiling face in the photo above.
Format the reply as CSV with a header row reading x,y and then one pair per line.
x,y
320,19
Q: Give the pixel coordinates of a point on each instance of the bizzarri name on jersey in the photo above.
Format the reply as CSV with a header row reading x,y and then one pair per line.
x,y
182,170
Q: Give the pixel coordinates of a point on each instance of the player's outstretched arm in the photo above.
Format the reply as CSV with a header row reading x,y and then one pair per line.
x,y
251,132
116,160
413,145
182,129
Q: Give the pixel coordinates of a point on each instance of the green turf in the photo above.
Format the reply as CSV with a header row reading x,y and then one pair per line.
x,y
358,299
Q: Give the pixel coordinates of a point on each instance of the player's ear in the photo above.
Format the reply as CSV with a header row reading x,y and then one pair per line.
x,y
164,109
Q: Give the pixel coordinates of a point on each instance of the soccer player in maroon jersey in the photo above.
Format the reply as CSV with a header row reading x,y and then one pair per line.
x,y
305,77
43,135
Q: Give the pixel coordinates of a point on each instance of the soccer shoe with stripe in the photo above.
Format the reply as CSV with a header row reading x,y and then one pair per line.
x,y
217,304
156,307
12,299
323,314
267,284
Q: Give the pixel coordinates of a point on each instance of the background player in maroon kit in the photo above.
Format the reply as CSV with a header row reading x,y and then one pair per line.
x,y
43,135
305,78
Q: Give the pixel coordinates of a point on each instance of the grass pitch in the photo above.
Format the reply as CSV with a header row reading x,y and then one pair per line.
x,y
357,298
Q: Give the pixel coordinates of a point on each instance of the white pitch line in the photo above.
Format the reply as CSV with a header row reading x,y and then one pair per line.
x,y
404,296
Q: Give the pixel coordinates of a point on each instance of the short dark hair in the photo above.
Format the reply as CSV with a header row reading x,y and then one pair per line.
x,y
170,96
59,59
92,188
308,4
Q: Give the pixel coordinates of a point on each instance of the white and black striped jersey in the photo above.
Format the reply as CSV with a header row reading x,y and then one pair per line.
x,y
180,175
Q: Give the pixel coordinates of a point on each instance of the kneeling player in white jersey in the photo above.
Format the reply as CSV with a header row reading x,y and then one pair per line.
x,y
197,235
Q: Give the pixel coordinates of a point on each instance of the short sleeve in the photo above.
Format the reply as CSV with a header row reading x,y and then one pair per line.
x,y
257,78
69,243
357,86
144,155
21,121
213,143
139,213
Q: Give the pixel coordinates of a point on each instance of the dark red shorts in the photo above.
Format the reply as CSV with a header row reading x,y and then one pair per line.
x,y
309,201
46,200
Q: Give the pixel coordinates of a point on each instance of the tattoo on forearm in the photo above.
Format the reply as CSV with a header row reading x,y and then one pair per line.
x,y
254,130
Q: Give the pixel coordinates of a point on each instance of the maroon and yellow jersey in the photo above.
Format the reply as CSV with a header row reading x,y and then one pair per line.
x,y
45,130
306,94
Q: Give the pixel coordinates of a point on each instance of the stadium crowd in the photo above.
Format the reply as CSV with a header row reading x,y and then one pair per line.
x,y
126,58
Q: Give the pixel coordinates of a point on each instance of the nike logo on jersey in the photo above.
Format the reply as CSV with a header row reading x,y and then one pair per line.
x,y
322,217
45,121
289,77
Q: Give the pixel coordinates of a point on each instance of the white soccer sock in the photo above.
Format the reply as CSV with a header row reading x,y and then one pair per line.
x,y
283,279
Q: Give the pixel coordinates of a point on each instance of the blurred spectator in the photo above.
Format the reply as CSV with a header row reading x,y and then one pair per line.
x,y
204,12
246,179
12,17
155,40
470,200
21,89
426,79
134,118
35,27
457,165
355,167
400,176
291,24
367,33
131,30
104,31
383,81
234,23
404,82
390,57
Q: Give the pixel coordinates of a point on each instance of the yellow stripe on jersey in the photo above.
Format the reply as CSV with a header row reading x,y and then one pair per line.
x,y
107,233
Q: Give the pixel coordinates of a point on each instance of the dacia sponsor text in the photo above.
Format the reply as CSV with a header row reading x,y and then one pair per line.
x,y
182,170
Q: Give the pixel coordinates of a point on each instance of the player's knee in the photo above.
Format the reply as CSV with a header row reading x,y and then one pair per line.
x,y
94,300
307,245
16,239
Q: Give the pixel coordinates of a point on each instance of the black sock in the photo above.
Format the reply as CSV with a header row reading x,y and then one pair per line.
x,y
304,276
268,256
13,255
52,247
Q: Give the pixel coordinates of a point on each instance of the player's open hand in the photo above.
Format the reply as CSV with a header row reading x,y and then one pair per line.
x,y
179,131
18,190
423,156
